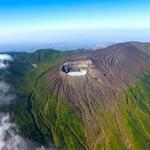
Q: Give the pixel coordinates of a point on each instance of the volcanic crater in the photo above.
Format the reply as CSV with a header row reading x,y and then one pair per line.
x,y
77,67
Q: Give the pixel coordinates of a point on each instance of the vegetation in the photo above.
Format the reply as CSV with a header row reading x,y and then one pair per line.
x,y
145,47
137,114
48,119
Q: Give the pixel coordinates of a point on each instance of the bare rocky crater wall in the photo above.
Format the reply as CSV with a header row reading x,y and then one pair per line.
x,y
76,67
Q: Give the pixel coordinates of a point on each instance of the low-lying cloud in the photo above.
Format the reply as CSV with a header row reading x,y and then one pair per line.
x,y
4,59
9,139
6,94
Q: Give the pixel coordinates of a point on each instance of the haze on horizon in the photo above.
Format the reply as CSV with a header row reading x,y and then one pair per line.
x,y
55,21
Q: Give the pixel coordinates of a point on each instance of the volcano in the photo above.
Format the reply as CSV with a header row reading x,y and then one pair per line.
x,y
96,99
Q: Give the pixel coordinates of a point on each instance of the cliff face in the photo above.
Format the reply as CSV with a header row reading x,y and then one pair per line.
x,y
102,109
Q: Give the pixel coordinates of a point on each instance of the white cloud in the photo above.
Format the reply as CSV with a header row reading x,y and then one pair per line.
x,y
4,58
9,139
5,95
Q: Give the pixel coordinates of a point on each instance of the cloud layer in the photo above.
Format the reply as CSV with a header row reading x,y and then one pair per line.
x,y
4,59
6,96
10,140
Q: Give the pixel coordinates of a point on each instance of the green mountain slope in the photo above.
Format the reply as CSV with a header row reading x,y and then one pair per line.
x,y
145,47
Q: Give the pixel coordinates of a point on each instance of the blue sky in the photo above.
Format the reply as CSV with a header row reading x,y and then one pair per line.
x,y
27,17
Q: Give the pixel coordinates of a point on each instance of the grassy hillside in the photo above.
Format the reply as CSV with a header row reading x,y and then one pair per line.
x,y
137,113
145,47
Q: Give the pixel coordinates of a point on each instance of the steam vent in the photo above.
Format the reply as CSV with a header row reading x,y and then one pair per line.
x,y
76,67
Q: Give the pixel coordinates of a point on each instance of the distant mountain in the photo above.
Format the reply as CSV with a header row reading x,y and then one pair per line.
x,y
107,108
63,46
